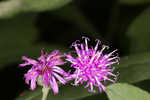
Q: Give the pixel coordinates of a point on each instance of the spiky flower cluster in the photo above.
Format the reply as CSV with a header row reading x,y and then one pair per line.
x,y
92,65
47,68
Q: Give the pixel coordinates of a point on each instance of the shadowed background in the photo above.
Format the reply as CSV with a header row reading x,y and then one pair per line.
x,y
26,26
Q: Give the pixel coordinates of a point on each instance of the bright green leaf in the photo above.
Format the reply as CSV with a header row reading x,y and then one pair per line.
x,y
139,33
9,8
41,5
12,7
126,92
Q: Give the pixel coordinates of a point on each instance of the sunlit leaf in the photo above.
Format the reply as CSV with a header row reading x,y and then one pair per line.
x,y
12,7
41,5
126,92
9,8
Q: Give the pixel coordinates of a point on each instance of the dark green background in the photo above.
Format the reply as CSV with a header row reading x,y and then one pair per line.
x,y
26,26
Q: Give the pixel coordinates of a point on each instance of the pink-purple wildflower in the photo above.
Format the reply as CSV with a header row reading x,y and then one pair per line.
x,y
92,65
47,67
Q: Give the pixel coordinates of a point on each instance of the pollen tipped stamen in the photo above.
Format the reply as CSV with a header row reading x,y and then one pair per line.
x,y
110,54
112,74
93,66
113,58
98,42
110,63
86,44
82,50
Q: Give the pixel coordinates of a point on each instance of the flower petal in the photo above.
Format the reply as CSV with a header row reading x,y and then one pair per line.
x,y
63,81
28,61
54,85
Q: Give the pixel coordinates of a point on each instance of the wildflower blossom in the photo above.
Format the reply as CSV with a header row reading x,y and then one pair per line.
x,y
92,65
47,68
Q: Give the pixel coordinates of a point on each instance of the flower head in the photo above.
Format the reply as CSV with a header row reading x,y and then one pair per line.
x,y
92,65
47,68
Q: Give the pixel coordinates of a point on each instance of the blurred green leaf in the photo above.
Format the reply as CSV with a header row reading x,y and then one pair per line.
x,y
17,32
134,68
139,33
9,8
12,7
134,1
16,35
134,59
135,73
121,91
42,5
15,54
98,96
66,93
17,38
75,16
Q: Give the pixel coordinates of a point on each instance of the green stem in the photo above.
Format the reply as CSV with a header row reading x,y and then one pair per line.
x,y
45,91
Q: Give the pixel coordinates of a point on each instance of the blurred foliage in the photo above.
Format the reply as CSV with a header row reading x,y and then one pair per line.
x,y
138,32
12,7
17,39
136,66
134,2
26,26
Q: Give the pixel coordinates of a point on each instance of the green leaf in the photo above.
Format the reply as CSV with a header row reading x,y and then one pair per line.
x,y
12,7
139,33
15,54
134,1
18,32
16,35
126,92
78,19
9,8
17,38
42,5
134,68
66,93
134,59
135,73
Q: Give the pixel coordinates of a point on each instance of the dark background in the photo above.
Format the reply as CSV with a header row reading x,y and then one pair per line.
x,y
106,20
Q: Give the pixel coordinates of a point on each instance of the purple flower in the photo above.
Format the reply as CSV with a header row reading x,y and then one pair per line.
x,y
47,67
92,65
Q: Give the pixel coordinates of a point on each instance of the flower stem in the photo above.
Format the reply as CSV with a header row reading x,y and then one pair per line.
x,y
45,91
